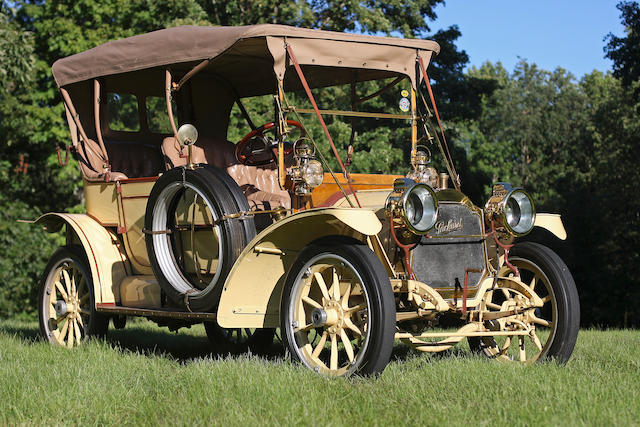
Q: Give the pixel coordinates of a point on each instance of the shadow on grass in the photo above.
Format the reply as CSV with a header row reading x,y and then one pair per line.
x,y
26,331
403,352
182,347
185,346
142,338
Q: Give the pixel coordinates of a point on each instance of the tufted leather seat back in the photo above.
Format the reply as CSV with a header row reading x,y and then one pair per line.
x,y
259,184
135,160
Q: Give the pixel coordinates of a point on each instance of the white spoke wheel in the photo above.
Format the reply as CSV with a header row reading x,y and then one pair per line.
x,y
239,340
191,248
338,311
66,303
552,329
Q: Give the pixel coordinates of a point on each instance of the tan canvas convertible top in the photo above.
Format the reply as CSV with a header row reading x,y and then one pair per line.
x,y
240,54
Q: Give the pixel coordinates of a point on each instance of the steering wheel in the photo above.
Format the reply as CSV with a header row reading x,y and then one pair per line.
x,y
255,149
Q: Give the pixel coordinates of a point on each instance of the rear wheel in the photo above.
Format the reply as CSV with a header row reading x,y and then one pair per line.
x,y
552,328
338,311
191,247
66,310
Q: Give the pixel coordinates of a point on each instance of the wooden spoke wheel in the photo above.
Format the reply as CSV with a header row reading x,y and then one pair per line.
x,y
67,313
338,315
539,332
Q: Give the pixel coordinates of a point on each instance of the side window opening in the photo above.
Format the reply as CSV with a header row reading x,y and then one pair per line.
x,y
122,112
157,117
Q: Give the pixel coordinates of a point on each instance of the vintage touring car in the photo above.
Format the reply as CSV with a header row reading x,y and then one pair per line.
x,y
183,226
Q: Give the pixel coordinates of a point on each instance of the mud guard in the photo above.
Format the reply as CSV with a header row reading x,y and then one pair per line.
x,y
552,223
252,291
107,262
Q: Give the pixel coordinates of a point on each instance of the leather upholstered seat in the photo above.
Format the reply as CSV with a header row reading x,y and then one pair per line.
x,y
135,160
127,159
259,184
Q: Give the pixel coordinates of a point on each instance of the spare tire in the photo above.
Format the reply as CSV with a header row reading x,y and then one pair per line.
x,y
191,252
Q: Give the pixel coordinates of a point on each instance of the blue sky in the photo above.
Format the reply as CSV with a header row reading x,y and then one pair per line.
x,y
566,33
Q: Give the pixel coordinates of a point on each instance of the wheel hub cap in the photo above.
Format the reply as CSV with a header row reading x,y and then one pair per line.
x,y
61,308
319,317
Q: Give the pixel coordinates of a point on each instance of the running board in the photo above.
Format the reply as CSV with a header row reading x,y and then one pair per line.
x,y
148,312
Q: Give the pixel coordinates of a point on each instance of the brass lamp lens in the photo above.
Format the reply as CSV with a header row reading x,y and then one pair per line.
x,y
312,173
420,208
512,212
519,212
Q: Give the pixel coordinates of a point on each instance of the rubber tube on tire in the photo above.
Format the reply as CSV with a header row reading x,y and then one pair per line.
x,y
224,197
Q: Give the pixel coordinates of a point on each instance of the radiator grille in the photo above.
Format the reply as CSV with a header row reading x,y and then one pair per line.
x,y
456,243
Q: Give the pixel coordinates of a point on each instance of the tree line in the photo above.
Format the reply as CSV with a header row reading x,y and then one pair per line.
x,y
572,142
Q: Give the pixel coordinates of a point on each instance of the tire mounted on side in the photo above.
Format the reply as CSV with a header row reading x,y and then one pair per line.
x,y
188,202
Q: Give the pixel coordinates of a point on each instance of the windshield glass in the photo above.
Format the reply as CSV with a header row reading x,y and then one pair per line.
x,y
371,117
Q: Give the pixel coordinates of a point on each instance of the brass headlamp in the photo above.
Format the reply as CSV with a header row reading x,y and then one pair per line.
x,y
421,171
414,203
511,209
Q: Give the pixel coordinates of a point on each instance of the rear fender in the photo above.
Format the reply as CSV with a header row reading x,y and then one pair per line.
x,y
252,291
106,259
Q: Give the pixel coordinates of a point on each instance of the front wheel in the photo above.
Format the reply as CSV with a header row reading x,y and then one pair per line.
x,y
337,310
552,328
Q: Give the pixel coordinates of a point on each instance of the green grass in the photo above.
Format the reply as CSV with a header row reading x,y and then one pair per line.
x,y
147,375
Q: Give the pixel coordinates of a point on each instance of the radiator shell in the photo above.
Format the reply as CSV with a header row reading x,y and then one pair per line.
x,y
456,244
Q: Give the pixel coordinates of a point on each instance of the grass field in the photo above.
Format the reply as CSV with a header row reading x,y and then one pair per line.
x,y
147,375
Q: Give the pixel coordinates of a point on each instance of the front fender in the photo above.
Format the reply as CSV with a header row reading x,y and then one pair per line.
x,y
106,261
551,222
251,294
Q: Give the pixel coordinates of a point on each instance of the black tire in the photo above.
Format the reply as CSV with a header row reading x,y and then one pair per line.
x,y
222,197
73,260
239,198
563,306
119,321
356,262
239,340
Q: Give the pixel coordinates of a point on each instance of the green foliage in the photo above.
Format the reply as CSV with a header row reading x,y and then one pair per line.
x,y
157,114
530,132
24,251
625,51
613,218
380,145
573,145
371,16
122,110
